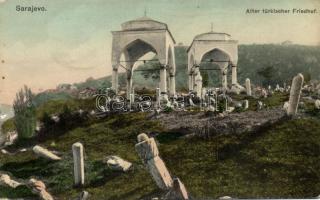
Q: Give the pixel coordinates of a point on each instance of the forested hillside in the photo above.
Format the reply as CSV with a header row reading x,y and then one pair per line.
x,y
263,63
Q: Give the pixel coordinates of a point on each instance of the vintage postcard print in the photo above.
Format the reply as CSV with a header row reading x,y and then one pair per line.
x,y
159,99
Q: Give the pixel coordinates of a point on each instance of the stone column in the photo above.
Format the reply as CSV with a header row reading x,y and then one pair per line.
x,y
149,154
234,79
131,101
199,84
158,97
133,95
129,83
190,82
115,80
248,87
163,79
172,85
224,79
295,92
203,93
78,163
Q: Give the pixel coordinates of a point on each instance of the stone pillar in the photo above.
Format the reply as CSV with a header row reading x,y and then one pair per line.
x,y
131,101
115,80
224,79
78,163
198,80
158,97
190,82
227,106
172,85
133,95
149,154
234,79
129,83
295,91
163,79
203,93
248,87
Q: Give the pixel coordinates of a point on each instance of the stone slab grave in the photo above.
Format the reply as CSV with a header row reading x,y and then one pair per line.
x,y
118,164
36,186
233,123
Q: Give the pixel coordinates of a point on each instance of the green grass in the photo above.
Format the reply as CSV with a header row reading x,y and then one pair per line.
x,y
279,162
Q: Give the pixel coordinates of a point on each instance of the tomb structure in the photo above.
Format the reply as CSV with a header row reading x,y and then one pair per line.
x,y
215,48
137,38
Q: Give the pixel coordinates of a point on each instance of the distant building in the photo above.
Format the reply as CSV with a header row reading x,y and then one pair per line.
x,y
87,93
287,42
62,87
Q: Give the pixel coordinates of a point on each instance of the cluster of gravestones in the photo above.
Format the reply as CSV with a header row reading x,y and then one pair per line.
x,y
211,99
149,154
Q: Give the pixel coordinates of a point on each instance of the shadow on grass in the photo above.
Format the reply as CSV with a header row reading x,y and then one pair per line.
x,y
232,150
36,167
102,174
168,137
18,192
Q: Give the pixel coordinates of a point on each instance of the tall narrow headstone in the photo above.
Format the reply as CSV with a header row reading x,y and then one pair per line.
x,y
199,84
78,163
248,87
149,154
131,101
158,97
295,92
246,104
133,95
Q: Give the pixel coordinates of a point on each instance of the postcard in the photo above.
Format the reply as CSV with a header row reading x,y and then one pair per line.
x,y
159,99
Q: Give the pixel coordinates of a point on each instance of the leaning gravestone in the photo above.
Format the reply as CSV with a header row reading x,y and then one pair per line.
x,y
295,92
39,188
78,163
6,180
42,152
149,154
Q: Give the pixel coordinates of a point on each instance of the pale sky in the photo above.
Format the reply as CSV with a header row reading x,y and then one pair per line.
x,y
71,41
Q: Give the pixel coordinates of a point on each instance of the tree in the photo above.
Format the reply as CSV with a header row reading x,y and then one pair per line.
x,y
266,73
307,77
25,113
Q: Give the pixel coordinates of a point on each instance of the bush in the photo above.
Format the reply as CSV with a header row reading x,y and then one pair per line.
x,y
25,113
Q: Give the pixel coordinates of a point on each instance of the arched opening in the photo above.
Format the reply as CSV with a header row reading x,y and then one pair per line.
x,y
140,63
171,86
214,68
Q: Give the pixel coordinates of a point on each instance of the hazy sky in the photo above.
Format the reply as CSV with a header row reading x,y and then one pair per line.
x,y
71,41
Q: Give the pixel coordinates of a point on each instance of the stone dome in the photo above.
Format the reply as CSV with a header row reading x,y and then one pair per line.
x,y
143,23
213,36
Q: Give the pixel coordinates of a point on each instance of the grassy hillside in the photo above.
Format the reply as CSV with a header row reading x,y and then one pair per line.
x,y
280,161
